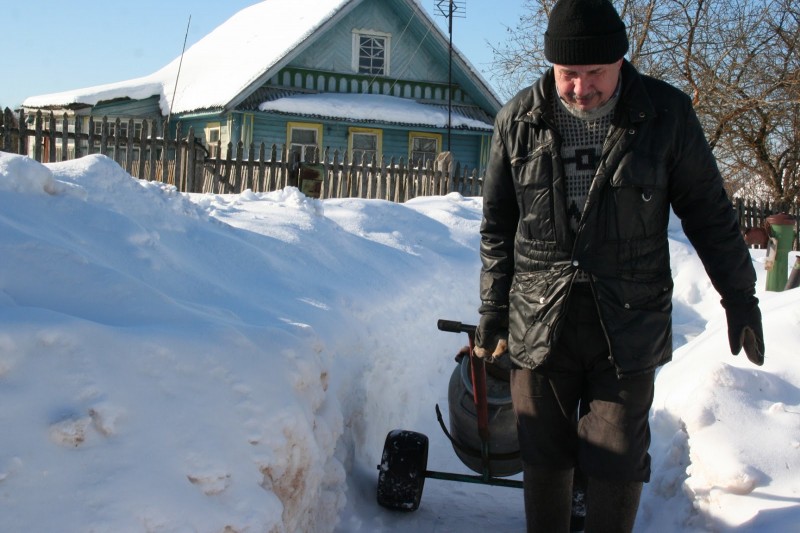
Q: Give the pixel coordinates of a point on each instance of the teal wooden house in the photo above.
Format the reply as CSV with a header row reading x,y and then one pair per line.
x,y
364,77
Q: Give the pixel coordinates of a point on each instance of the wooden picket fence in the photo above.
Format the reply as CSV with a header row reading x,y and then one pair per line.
x,y
183,161
753,217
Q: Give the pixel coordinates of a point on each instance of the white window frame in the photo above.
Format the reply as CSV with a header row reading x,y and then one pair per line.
x,y
377,134
211,130
427,136
358,34
316,128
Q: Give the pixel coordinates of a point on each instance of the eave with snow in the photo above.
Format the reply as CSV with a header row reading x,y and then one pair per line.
x,y
365,77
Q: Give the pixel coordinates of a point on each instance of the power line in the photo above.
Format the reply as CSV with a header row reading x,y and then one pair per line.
x,y
178,75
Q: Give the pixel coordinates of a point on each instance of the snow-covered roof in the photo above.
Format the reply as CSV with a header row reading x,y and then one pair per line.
x,y
373,107
219,68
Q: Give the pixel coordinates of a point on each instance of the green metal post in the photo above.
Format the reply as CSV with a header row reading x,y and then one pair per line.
x,y
781,229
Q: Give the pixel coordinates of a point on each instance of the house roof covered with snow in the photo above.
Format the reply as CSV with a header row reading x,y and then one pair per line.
x,y
385,109
225,66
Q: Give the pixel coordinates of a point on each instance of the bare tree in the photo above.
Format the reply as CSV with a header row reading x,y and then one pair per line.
x,y
739,60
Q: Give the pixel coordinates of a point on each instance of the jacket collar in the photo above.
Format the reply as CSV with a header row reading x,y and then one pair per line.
x,y
634,101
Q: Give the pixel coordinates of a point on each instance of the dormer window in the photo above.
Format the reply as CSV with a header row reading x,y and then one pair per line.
x,y
371,52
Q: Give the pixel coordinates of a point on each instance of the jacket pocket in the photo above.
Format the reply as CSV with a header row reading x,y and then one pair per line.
x,y
637,205
533,180
536,305
652,294
636,313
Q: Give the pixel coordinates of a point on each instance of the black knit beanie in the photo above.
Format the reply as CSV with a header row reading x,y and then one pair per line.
x,y
584,32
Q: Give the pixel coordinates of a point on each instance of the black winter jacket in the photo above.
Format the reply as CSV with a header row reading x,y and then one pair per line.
x,y
655,156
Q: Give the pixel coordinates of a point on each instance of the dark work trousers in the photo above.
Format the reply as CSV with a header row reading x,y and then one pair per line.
x,y
573,410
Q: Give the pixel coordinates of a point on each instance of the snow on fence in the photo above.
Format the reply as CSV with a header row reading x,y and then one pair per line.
x,y
185,162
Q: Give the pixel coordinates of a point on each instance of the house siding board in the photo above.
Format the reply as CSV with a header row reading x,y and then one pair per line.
x,y
199,125
333,51
462,149
272,130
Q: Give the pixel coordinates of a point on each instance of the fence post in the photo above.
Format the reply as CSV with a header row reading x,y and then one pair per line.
x,y
214,185
51,136
5,130
37,137
151,152
129,147
272,170
65,138
343,179
116,138
104,136
399,179
380,178
22,141
251,156
78,135
164,178
191,161
329,185
359,181
238,169
325,169
368,168
180,180
391,180
3,135
430,178
228,165
262,167
142,140
90,137
283,169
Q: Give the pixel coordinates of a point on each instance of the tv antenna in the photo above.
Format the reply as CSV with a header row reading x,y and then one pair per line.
x,y
450,9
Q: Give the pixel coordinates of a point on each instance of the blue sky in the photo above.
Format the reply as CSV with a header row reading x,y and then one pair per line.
x,y
58,46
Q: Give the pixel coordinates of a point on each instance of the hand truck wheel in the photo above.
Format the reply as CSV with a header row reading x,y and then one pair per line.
x,y
401,474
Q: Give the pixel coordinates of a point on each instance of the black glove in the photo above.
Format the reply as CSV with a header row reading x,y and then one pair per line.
x,y
744,329
491,336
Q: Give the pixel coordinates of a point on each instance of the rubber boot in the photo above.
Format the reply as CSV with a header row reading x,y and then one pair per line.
x,y
611,505
548,499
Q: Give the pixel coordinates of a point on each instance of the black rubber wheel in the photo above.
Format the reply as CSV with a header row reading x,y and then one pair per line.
x,y
401,474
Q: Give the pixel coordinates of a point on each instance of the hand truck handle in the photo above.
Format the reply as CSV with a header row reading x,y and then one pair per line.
x,y
455,327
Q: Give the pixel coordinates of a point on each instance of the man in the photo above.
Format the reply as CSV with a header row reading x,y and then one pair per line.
x,y
576,278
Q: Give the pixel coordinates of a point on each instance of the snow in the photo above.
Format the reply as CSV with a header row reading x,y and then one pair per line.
x,y
211,363
209,75
370,107
242,51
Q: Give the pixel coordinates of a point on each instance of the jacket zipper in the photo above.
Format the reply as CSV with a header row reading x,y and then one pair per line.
x,y
602,324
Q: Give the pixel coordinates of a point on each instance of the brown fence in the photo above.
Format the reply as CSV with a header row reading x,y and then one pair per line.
x,y
753,220
183,161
